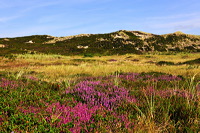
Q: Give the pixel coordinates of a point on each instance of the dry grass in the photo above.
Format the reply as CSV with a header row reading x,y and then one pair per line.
x,y
65,71
66,67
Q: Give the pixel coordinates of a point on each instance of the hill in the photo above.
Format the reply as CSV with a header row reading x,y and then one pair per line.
x,y
119,42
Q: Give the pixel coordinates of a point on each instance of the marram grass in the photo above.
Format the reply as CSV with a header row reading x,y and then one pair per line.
x,y
97,70
64,67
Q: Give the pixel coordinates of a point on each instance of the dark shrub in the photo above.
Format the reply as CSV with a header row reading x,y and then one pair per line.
x,y
195,61
88,55
164,63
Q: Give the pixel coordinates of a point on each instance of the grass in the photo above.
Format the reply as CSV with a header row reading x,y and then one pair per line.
x,y
65,67
54,93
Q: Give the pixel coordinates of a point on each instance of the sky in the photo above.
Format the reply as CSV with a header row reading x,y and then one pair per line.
x,y
72,17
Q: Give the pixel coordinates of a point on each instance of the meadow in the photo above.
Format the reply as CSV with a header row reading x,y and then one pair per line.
x,y
155,92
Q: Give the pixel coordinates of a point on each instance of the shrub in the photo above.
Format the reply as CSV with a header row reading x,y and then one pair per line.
x,y
165,63
195,61
10,57
88,55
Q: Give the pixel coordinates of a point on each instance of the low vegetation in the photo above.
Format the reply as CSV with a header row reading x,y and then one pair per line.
x,y
119,42
119,93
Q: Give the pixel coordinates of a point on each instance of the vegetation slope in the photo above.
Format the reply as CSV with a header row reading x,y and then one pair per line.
x,y
120,42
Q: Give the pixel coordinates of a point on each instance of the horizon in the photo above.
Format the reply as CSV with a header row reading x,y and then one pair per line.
x,y
98,33
72,17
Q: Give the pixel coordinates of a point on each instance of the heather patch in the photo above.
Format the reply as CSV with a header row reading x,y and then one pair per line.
x,y
119,102
102,94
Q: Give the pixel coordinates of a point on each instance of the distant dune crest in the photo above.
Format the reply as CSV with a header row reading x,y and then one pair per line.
x,y
119,42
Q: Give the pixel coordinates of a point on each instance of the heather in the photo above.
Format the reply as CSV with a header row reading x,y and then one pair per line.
x,y
118,93
116,102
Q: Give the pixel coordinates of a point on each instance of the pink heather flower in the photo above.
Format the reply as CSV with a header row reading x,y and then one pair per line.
x,y
78,115
8,84
32,78
102,94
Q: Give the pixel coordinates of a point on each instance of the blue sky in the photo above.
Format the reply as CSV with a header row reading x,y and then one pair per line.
x,y
71,17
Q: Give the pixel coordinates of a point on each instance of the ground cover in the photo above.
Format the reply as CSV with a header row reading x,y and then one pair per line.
x,y
129,93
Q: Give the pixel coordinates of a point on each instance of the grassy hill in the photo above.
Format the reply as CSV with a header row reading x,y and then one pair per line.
x,y
120,42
